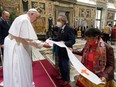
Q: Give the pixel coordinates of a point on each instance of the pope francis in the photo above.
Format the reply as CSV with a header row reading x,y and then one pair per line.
x,y
17,66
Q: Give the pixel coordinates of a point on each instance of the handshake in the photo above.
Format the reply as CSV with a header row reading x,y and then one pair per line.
x,y
39,44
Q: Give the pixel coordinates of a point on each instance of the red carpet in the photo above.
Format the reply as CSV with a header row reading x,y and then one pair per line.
x,y
44,74
41,79
1,75
53,73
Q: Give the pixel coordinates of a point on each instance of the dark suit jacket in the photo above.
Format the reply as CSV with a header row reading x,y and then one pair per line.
x,y
4,27
67,35
108,73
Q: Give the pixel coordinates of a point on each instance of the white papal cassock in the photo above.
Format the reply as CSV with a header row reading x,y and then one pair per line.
x,y
17,66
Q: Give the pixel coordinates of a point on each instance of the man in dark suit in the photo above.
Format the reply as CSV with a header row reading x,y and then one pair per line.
x,y
65,34
4,27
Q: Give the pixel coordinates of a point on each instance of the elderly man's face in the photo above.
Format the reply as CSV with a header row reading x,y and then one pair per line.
x,y
6,16
34,17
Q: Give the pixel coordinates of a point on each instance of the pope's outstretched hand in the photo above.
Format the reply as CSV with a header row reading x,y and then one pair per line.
x,y
46,45
39,44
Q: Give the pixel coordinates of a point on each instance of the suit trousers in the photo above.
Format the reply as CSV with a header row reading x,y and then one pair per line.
x,y
64,68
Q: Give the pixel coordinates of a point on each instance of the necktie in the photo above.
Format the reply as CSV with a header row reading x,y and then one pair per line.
x,y
7,23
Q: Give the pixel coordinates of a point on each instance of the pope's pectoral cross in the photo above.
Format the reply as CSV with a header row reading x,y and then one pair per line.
x,y
84,71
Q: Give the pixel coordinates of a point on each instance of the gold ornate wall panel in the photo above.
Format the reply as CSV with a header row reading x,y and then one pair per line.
x,y
9,5
49,13
110,17
40,6
46,10
85,13
49,8
39,25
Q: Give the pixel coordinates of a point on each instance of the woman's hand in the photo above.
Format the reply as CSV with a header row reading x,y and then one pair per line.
x,y
71,49
103,79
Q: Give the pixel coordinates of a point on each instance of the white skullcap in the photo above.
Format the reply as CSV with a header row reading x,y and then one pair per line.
x,y
33,10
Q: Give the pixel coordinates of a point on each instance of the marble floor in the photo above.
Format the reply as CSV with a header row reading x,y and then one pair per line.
x,y
39,54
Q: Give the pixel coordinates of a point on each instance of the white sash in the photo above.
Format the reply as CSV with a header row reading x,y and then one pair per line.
x,y
77,64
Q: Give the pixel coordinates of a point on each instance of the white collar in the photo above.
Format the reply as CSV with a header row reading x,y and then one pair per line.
x,y
63,26
2,18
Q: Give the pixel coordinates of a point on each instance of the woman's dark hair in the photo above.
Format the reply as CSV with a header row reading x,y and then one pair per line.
x,y
92,32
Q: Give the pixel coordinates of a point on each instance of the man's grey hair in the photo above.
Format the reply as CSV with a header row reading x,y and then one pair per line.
x,y
64,18
32,10
5,12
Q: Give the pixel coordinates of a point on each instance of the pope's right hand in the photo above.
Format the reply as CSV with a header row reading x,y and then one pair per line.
x,y
46,45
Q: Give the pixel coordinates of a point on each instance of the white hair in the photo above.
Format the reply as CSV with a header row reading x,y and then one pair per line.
x,y
32,10
64,18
